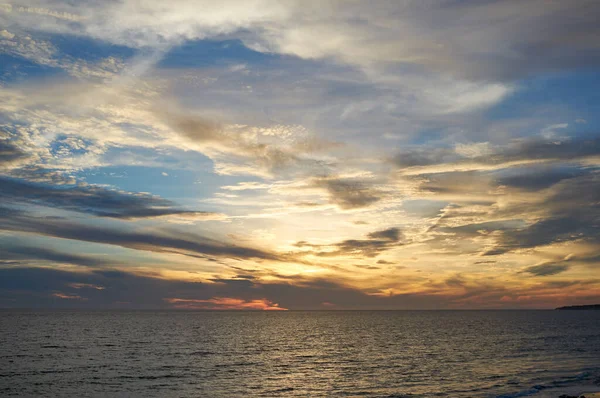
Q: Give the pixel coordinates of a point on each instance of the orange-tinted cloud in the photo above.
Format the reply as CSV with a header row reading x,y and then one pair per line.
x,y
225,303
68,296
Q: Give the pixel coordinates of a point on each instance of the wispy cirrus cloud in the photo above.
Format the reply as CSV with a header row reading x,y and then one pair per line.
x,y
42,52
390,35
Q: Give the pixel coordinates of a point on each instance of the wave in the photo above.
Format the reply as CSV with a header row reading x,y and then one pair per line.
x,y
584,379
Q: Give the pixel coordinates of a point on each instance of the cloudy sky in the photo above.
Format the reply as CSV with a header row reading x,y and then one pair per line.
x,y
300,154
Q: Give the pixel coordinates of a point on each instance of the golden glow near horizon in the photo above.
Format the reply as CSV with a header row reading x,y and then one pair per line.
x,y
284,155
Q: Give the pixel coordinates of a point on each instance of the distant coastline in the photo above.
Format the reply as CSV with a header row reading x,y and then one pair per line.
x,y
581,307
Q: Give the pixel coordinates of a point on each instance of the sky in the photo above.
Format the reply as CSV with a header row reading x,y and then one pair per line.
x,y
321,155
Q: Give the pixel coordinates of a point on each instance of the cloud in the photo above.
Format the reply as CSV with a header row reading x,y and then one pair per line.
x,y
244,186
420,73
535,179
514,210
68,296
457,186
367,267
492,41
423,157
538,149
224,303
348,193
375,243
12,155
4,34
32,287
546,269
507,43
45,53
70,126
190,244
570,212
569,227
242,149
520,153
94,200
391,234
24,253
42,11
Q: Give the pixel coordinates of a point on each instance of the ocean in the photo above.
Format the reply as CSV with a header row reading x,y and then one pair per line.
x,y
298,354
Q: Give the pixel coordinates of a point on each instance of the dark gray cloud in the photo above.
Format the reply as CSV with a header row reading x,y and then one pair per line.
x,y
422,157
391,234
536,179
540,149
567,210
366,266
11,154
37,287
24,253
107,288
456,281
375,243
38,173
544,232
349,193
15,220
511,42
546,269
93,200
537,149
573,213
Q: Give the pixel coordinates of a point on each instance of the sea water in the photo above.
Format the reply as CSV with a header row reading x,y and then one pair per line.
x,y
296,353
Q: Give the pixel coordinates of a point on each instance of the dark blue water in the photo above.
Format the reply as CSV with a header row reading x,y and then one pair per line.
x,y
231,354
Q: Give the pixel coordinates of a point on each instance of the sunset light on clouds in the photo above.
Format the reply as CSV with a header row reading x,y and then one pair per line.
x,y
274,155
224,303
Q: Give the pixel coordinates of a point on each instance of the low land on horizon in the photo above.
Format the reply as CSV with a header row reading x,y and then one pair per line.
x,y
580,307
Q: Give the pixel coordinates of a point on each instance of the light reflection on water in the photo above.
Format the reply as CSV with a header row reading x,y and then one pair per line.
x,y
355,353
